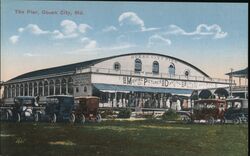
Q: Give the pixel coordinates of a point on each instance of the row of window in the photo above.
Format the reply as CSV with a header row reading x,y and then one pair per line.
x,y
155,67
42,88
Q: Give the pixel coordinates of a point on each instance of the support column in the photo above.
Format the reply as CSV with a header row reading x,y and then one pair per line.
x,y
48,86
67,87
54,87
28,89
60,86
37,88
19,90
43,88
245,87
32,84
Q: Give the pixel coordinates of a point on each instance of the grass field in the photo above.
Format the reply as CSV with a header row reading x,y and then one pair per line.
x,y
123,138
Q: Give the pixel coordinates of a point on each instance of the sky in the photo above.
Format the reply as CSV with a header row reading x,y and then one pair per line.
x,y
43,34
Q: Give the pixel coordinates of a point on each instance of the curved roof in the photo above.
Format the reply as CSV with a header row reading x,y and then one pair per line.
x,y
72,67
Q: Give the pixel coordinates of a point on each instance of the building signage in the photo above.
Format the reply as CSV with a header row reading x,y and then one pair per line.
x,y
151,82
82,79
155,57
143,81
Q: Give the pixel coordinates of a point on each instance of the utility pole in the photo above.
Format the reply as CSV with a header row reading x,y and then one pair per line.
x,y
1,84
230,81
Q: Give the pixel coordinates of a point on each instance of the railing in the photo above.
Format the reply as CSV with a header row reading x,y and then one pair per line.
x,y
150,74
240,88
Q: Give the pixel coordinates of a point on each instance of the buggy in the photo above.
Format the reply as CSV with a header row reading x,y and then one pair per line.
x,y
209,110
60,108
87,109
26,108
237,110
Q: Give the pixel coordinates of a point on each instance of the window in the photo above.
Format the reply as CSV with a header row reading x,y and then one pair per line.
x,y
57,85
186,73
40,88
13,91
21,90
30,89
35,89
155,68
77,89
46,88
117,66
26,89
138,65
17,90
85,89
51,87
171,69
5,91
70,86
63,86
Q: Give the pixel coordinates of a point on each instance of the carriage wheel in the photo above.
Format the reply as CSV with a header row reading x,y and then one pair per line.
x,y
223,120
53,118
7,116
18,117
36,117
237,121
210,120
98,118
72,118
185,119
82,118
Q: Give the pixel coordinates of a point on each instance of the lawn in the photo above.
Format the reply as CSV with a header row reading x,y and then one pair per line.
x,y
123,138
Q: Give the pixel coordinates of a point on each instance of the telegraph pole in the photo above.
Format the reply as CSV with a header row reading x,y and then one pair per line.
x,y
230,81
1,84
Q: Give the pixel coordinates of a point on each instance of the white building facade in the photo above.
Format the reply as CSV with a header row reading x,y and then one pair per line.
x,y
128,80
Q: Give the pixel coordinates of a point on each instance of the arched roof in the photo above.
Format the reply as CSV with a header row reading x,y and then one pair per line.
x,y
72,67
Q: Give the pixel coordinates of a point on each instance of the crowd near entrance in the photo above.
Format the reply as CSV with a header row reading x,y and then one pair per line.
x,y
142,100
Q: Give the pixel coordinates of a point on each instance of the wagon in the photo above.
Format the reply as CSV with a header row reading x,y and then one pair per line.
x,y
60,108
5,112
237,110
87,109
26,108
209,110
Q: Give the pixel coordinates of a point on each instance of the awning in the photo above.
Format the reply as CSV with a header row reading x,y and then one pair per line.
x,y
125,88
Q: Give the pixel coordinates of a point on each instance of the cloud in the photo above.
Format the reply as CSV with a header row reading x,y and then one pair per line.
x,y
14,39
68,26
33,29
29,54
201,30
20,30
88,43
131,18
157,39
68,29
84,27
90,48
110,29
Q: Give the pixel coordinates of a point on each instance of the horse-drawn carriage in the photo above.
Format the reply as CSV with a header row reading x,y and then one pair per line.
x,y
237,110
208,110
59,108
24,108
64,107
87,109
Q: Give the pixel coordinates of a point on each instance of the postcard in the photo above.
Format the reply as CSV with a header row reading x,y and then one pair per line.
x,y
124,78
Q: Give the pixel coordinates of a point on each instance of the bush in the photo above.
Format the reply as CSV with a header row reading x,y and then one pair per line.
x,y
125,113
170,115
107,113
